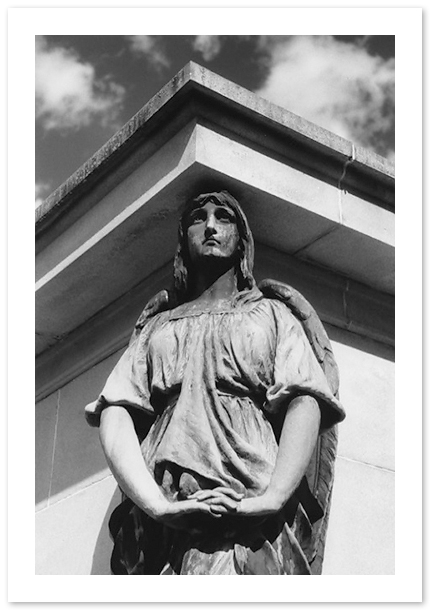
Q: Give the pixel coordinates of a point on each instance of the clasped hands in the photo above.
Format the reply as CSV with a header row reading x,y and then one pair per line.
x,y
224,501
216,503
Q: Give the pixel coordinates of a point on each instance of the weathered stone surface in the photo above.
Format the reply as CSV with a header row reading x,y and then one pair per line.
x,y
367,219
370,313
367,387
45,425
78,458
71,535
363,509
354,255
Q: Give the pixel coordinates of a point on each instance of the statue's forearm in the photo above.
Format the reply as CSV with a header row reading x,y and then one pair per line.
x,y
122,450
121,447
297,442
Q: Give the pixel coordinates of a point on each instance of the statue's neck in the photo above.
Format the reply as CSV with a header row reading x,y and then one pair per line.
x,y
212,286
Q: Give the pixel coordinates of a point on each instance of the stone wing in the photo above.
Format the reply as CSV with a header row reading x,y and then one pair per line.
x,y
157,303
310,526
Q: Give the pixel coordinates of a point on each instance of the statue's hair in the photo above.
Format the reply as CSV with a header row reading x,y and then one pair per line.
x,y
182,262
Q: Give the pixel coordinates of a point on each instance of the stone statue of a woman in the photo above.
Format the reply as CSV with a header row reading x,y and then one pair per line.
x,y
218,421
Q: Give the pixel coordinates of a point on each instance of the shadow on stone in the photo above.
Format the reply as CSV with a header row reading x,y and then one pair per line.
x,y
103,547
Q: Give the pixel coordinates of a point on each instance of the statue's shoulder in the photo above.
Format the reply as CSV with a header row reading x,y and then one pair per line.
x,y
311,323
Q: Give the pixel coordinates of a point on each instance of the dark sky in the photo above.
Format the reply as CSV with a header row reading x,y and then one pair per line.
x,y
87,87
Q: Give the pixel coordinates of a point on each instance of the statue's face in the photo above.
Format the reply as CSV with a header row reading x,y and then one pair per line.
x,y
212,232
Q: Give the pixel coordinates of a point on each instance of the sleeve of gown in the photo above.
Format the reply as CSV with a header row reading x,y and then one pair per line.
x,y
127,385
297,372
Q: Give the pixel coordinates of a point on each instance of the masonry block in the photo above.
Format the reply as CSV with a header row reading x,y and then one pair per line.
x,y
45,419
367,393
72,535
79,459
360,538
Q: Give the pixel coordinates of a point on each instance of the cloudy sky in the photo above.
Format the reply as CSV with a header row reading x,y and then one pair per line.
x,y
87,87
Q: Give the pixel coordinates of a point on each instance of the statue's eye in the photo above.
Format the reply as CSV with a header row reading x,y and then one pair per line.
x,y
197,216
224,215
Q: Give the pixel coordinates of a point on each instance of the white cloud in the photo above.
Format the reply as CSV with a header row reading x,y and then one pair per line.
x,y
335,84
208,46
42,190
149,46
68,94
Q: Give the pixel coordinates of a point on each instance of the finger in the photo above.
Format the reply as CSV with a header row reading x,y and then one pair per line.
x,y
206,509
232,493
192,506
203,495
229,504
218,510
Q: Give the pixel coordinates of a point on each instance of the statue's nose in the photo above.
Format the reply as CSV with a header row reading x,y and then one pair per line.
x,y
210,225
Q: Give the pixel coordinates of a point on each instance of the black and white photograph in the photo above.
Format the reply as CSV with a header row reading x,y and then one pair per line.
x,y
215,310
